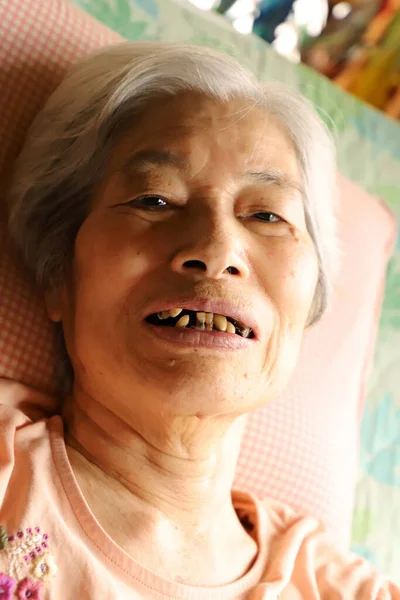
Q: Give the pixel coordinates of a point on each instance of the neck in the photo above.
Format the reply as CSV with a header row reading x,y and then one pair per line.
x,y
170,482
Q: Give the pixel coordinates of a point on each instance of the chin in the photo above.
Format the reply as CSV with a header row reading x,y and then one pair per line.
x,y
211,393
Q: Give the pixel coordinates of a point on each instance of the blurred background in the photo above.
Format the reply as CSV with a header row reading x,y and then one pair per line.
x,y
356,43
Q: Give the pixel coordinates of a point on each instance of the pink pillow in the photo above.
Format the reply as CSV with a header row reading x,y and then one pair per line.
x,y
39,40
303,448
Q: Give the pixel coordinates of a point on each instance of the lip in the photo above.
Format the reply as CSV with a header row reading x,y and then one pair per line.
x,y
193,338
219,307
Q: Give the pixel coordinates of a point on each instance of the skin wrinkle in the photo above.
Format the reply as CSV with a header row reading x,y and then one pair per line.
x,y
145,162
243,114
161,434
254,153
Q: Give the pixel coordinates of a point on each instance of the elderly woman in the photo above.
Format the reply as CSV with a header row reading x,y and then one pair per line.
x,y
179,218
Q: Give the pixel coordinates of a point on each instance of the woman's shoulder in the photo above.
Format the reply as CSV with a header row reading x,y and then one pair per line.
x,y
31,503
18,398
314,561
22,406
24,440
274,516
23,419
281,514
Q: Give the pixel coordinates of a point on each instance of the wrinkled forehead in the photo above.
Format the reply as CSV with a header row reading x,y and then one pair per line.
x,y
194,129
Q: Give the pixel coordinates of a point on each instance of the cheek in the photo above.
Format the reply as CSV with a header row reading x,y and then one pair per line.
x,y
293,275
112,257
113,264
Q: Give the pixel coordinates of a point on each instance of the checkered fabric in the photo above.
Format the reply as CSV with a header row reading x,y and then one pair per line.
x,y
303,448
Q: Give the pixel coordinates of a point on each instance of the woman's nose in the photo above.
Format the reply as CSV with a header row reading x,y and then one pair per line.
x,y
211,253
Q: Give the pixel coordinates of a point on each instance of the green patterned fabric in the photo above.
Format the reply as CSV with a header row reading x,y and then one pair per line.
x,y
369,153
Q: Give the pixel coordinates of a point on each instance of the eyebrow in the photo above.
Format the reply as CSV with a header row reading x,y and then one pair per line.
x,y
149,158
273,176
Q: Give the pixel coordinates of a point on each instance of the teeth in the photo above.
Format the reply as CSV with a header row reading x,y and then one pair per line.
x,y
220,322
201,320
183,321
173,312
209,321
230,328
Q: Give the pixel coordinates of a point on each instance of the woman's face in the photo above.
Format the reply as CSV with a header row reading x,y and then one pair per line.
x,y
200,207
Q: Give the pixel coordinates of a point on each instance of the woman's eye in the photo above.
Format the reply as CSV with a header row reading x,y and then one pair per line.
x,y
267,217
149,203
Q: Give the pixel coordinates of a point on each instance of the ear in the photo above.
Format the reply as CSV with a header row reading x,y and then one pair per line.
x,y
54,301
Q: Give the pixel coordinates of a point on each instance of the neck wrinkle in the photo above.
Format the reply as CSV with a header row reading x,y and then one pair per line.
x,y
194,494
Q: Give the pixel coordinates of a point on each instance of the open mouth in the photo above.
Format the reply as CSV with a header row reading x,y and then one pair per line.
x,y
202,321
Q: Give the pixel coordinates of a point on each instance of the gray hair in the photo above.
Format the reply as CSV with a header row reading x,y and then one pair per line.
x,y
70,139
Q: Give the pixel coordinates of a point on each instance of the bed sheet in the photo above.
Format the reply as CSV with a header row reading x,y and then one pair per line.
x,y
369,153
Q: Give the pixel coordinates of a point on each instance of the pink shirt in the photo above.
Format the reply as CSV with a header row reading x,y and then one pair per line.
x,y
52,547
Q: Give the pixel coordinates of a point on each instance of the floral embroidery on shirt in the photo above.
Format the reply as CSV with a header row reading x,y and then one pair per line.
x,y
28,588
44,567
7,585
30,563
3,537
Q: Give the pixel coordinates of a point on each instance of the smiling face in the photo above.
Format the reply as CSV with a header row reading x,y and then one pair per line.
x,y
200,208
